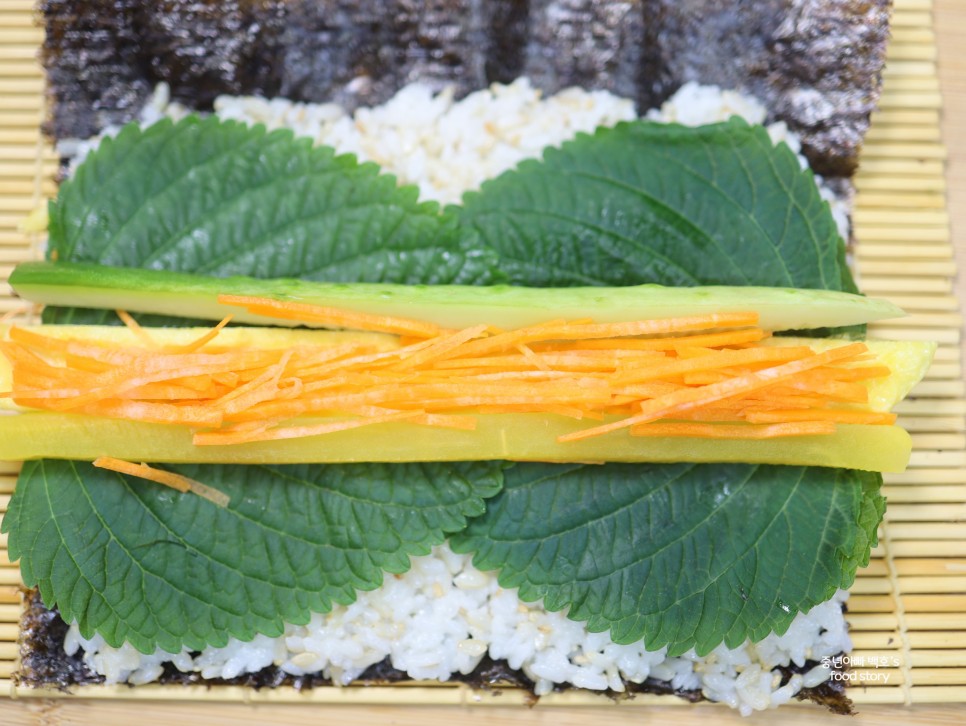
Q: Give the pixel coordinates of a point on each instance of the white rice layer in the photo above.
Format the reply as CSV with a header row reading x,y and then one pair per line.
x,y
444,615
447,147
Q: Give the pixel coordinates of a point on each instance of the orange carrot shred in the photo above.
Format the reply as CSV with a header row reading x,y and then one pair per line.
x,y
139,332
293,432
702,376
833,415
160,476
734,431
688,399
202,341
334,317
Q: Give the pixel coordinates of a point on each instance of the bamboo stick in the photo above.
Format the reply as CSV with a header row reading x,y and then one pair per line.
x,y
18,136
953,603
11,220
865,183
870,199
879,696
10,613
885,285
946,585
871,585
904,116
900,84
872,621
897,68
22,205
9,152
20,18
928,459
883,134
22,170
20,102
914,218
934,387
873,233
24,119
20,186
930,424
922,493
913,20
908,151
870,604
911,302
905,6
935,547
919,512
936,621
927,320
15,239
947,676
931,476
875,640
20,64
911,51
932,566
887,248
897,332
898,168
931,407
937,694
948,353
32,35
926,639
940,658
939,441
930,531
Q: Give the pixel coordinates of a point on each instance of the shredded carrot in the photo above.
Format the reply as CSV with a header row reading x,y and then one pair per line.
x,y
160,476
199,342
691,398
833,415
14,313
225,438
139,332
701,376
334,317
734,431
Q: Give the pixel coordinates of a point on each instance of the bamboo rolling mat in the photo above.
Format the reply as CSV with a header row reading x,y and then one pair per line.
x,y
907,612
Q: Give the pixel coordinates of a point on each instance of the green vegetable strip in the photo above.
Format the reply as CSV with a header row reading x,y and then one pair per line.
x,y
452,306
520,437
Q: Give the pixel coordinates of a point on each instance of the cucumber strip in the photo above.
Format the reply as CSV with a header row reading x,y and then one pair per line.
x,y
517,437
452,306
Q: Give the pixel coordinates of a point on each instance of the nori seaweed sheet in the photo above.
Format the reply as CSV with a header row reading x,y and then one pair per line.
x,y
44,664
815,63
